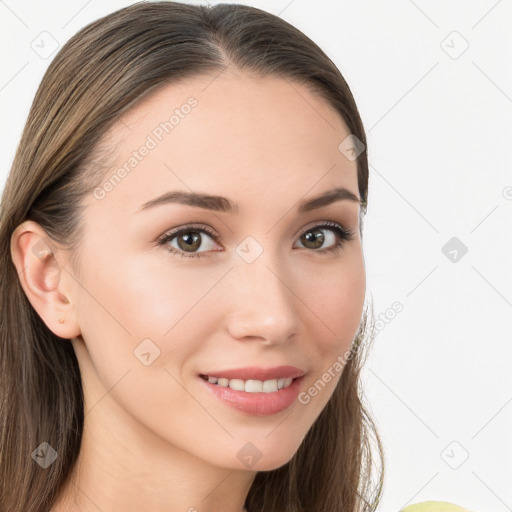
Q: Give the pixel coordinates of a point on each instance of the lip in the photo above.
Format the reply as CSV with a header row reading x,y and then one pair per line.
x,y
258,373
257,404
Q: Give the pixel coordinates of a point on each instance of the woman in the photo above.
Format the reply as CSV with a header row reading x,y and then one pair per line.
x,y
183,286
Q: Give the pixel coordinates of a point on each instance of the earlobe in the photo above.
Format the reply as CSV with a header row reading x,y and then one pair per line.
x,y
42,278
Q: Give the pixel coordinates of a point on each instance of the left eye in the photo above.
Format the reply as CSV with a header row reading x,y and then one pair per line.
x,y
189,239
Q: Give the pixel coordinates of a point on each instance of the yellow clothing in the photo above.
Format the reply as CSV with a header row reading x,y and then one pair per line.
x,y
434,506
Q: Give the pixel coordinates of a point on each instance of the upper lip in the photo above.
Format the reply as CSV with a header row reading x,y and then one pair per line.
x,y
258,373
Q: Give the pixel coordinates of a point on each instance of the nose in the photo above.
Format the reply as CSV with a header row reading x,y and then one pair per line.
x,y
263,302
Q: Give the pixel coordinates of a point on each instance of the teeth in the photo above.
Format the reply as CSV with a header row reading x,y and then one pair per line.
x,y
252,386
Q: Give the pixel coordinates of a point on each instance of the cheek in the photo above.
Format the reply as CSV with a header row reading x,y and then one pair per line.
x,y
337,315
127,303
344,305
145,298
337,301
145,295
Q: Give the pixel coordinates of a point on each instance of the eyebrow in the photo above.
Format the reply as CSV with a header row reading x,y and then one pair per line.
x,y
223,204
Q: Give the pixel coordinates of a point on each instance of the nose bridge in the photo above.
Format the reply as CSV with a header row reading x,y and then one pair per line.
x,y
263,302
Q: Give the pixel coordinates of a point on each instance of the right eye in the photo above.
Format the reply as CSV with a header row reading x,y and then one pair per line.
x,y
189,243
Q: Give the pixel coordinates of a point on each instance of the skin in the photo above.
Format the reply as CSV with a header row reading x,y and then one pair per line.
x,y
154,438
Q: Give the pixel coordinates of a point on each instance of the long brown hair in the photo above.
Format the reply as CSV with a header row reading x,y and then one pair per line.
x,y
98,75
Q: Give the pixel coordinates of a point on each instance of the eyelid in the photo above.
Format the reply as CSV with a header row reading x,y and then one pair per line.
x,y
215,235
187,227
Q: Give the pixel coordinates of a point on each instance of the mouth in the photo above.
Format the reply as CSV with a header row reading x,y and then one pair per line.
x,y
254,379
254,397
251,385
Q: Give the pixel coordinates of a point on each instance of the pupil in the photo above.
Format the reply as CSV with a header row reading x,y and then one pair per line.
x,y
190,240
311,237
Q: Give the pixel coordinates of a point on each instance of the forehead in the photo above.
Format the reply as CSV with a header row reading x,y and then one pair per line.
x,y
255,139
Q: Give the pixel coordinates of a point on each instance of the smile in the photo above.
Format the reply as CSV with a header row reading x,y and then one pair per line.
x,y
251,385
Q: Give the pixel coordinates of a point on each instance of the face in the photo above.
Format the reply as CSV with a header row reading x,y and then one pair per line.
x,y
264,286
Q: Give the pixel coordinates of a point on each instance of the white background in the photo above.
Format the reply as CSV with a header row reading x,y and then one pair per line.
x,y
439,128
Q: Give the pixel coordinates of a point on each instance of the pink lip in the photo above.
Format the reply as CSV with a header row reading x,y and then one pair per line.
x,y
258,373
257,404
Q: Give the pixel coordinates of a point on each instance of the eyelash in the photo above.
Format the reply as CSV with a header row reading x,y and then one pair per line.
x,y
344,234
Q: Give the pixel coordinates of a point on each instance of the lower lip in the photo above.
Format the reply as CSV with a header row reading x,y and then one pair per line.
x,y
257,404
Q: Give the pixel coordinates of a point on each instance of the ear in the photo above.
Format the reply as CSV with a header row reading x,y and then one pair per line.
x,y
46,283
